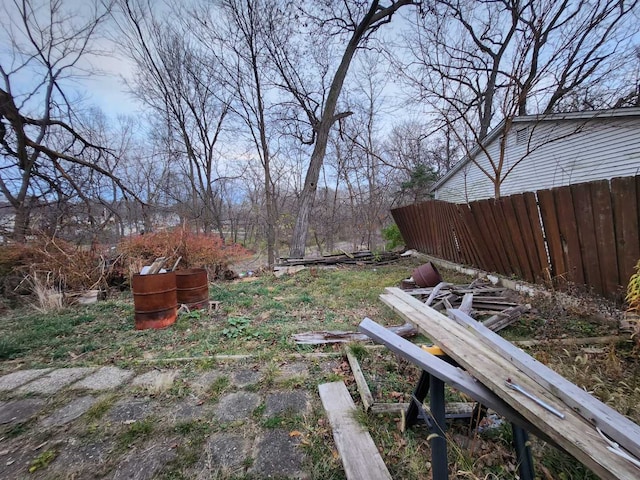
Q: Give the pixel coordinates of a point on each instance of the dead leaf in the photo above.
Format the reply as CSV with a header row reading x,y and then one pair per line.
x,y
295,433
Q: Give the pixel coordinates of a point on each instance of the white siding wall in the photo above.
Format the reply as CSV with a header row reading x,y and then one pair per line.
x,y
560,153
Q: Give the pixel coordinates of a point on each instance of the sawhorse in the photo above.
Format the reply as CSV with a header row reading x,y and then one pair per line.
x,y
436,418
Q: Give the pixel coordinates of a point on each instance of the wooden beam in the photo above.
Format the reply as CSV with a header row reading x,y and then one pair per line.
x,y
573,434
611,422
360,457
453,376
339,336
361,382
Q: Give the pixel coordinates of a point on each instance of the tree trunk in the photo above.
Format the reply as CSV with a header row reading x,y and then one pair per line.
x,y
323,127
21,223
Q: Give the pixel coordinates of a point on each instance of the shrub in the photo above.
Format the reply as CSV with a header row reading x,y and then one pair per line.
x,y
64,266
633,291
393,236
197,250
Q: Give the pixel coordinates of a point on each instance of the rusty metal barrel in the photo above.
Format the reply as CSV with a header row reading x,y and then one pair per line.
x,y
192,286
155,300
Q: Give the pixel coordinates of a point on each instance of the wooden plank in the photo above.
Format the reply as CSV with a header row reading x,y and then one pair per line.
x,y
340,336
538,237
453,219
626,214
605,237
476,234
519,251
611,422
360,457
509,239
483,230
468,248
453,376
448,247
588,245
493,239
531,255
558,266
388,408
569,234
422,218
573,434
361,382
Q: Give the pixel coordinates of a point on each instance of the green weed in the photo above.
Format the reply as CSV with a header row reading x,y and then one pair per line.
x,y
43,460
136,432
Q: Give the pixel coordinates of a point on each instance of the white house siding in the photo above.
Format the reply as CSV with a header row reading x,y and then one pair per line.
x,y
561,153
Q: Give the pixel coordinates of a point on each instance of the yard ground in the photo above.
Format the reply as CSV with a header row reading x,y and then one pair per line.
x,y
228,395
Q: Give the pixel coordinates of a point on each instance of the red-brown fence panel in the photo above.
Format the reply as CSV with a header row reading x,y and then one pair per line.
x,y
583,234
604,231
625,193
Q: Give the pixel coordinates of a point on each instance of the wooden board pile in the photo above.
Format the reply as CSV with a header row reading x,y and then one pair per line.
x,y
595,434
495,307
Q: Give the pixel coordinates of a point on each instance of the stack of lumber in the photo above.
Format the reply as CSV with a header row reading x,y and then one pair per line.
x,y
596,435
356,258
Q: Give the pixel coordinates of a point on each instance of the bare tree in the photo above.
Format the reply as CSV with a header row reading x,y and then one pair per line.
x,y
233,36
486,61
357,21
181,86
43,145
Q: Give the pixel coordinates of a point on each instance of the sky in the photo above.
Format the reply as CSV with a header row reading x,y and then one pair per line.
x,y
102,87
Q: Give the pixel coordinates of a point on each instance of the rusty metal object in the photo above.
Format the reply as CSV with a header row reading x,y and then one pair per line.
x,y
192,287
427,275
155,300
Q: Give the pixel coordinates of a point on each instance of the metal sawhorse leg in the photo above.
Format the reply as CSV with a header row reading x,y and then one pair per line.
x,y
436,422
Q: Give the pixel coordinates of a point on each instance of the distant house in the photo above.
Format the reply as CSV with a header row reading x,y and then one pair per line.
x,y
548,151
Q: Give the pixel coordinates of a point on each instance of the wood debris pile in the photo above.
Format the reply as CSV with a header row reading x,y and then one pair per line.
x,y
496,307
356,258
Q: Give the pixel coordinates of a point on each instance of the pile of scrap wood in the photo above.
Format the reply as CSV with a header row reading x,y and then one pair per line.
x,y
356,258
496,307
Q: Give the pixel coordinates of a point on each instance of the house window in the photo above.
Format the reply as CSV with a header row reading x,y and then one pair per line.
x,y
522,136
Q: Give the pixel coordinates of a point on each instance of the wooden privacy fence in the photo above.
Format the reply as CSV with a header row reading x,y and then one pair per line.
x,y
583,234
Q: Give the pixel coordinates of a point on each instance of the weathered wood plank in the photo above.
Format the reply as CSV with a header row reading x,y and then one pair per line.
x,y
611,422
586,234
574,434
453,376
626,215
361,382
558,272
515,247
360,457
339,336
469,249
569,234
538,236
483,238
504,318
494,241
526,244
605,237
